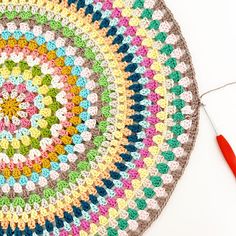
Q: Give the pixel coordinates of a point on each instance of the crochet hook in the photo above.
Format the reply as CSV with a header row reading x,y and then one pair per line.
x,y
224,146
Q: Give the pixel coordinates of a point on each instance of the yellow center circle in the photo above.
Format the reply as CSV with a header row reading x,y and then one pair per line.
x,y
10,107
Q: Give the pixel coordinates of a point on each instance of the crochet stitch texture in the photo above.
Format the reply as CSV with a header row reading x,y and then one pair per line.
x,y
97,115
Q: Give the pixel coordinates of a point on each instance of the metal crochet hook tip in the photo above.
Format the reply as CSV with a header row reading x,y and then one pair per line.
x,y
209,118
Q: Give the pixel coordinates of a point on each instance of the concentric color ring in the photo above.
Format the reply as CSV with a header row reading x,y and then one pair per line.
x,y
98,115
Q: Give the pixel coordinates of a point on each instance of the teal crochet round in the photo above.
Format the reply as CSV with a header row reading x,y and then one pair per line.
x,y
98,115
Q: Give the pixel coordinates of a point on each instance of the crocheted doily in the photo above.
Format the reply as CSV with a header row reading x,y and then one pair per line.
x,y
97,115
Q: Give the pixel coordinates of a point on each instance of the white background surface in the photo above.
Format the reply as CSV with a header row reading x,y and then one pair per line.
x,y
204,202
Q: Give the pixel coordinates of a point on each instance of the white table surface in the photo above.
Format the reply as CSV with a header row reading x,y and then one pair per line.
x,y
204,201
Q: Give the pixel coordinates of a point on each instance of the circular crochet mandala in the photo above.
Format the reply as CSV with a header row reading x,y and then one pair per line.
x,y
97,115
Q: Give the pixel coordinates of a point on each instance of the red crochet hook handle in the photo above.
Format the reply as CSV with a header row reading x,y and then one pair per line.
x,y
227,152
